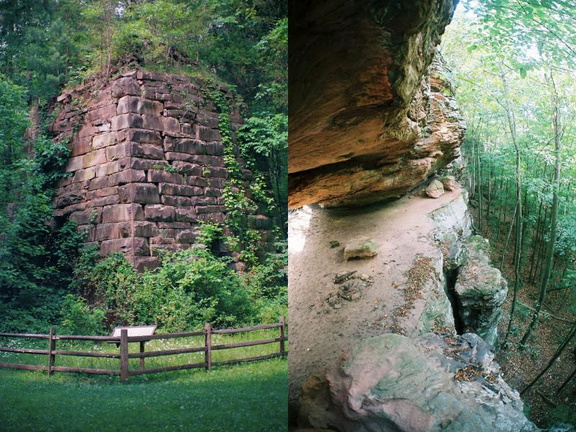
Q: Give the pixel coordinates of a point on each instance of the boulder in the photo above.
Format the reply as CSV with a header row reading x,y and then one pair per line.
x,y
360,248
433,383
449,183
480,291
435,189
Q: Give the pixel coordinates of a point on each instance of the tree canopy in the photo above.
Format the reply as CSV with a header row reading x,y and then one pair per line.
x,y
512,64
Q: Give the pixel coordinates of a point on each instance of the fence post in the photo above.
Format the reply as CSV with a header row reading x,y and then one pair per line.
x,y
282,336
51,349
142,343
124,355
208,346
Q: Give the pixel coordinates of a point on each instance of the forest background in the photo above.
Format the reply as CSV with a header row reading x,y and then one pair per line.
x,y
46,275
512,66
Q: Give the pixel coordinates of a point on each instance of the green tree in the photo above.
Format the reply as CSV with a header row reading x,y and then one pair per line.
x,y
13,123
38,47
35,260
512,63
267,137
553,221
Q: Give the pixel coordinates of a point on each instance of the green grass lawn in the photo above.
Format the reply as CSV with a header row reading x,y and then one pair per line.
x,y
249,397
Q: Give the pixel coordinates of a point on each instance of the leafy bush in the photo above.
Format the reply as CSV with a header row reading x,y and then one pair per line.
x,y
107,284
190,287
267,285
36,256
79,319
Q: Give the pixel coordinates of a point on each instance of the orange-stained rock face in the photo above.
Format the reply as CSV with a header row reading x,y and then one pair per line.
x,y
366,122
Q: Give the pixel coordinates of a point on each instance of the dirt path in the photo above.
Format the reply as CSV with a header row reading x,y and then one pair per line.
x,y
321,324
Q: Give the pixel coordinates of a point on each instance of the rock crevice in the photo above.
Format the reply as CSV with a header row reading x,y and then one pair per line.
x,y
423,253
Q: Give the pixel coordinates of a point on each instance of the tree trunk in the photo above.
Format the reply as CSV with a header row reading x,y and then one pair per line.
x,y
518,211
553,216
558,353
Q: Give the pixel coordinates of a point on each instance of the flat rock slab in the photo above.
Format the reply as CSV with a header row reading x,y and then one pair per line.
x,y
320,330
360,248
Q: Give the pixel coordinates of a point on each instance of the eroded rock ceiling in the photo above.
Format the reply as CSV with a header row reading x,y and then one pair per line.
x,y
368,119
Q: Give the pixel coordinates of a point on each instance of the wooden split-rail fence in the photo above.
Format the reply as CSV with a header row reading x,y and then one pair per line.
x,y
124,355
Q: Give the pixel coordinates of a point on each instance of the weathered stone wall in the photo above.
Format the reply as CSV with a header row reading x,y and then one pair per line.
x,y
147,163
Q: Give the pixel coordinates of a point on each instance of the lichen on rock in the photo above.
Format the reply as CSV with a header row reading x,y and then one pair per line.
x,y
432,383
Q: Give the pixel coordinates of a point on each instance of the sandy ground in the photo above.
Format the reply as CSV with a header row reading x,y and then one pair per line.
x,y
322,328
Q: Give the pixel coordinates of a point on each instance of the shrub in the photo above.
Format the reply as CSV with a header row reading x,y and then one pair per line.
x,y
208,281
190,288
80,319
107,284
267,286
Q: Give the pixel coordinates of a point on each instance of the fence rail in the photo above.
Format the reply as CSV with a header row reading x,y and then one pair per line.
x,y
124,355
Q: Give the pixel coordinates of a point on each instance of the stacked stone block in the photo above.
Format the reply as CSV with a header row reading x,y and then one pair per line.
x,y
147,164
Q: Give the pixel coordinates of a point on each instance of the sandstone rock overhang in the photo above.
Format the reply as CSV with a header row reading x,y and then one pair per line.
x,y
367,121
147,166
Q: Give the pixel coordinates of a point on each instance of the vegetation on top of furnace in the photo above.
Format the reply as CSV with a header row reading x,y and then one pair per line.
x,y
44,45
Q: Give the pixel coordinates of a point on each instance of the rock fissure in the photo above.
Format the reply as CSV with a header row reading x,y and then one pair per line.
x,y
451,276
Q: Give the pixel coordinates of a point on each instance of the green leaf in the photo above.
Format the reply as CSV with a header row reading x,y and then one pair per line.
x,y
522,71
